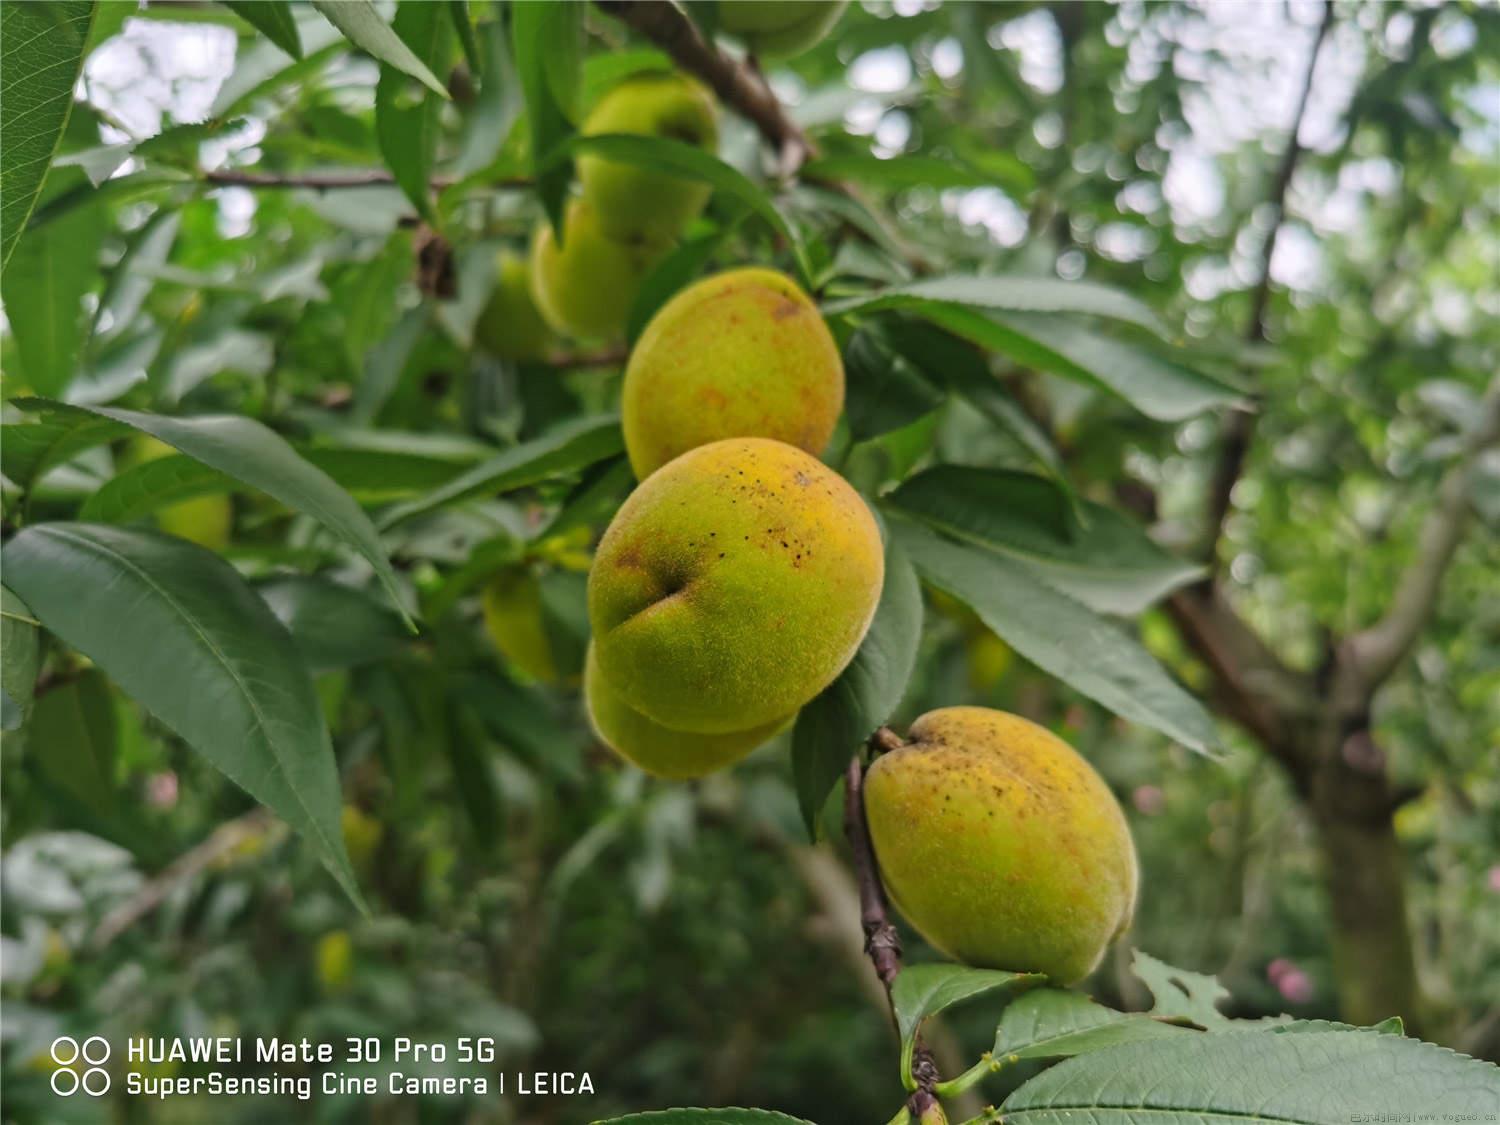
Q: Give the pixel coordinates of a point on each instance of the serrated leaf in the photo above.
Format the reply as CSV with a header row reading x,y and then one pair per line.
x,y
566,449
361,24
178,630
1108,563
1239,1077
249,452
546,40
659,154
921,991
20,652
996,293
41,55
1060,635
273,19
705,1117
43,285
407,126
832,728
1053,1023
1180,994
73,738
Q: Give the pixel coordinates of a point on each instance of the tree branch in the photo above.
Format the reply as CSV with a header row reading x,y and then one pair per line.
x,y
882,942
737,84
1371,655
325,181
1240,427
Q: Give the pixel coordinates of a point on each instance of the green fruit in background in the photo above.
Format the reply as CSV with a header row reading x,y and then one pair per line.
x,y
510,326
733,585
779,28
585,287
741,354
1001,845
539,623
661,750
335,961
204,520
634,201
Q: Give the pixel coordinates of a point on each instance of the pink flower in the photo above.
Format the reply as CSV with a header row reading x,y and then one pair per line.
x,y
1296,986
161,790
1278,969
1494,878
1148,799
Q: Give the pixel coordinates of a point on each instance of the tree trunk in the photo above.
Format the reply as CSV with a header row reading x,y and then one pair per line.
x,y
1373,959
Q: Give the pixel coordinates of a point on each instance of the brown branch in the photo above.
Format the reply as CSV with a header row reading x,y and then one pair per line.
x,y
1370,656
1240,427
882,943
222,842
737,84
327,181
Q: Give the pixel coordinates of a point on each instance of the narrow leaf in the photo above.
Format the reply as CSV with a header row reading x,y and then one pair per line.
x,y
249,452
335,626
20,652
50,270
407,123
361,25
547,42
1109,564
1060,635
566,449
177,628
273,19
999,293
41,55
73,737
832,728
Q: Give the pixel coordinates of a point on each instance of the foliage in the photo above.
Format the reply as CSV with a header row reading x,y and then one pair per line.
x,y
1039,257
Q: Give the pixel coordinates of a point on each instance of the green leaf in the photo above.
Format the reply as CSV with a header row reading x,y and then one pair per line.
x,y
177,628
43,286
681,266
948,360
20,653
885,392
921,991
41,55
273,19
566,449
547,42
263,69
906,170
997,293
151,486
659,154
361,24
408,122
1314,1078
831,729
73,738
1159,388
458,10
334,625
1108,564
249,452
705,1117
1060,635
1051,1023
29,449
1181,994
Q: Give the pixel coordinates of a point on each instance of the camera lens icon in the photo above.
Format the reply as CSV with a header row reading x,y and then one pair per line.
x,y
67,1052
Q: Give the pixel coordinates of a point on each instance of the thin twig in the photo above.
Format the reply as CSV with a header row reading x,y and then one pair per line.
x,y
327,181
224,840
1240,426
738,85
